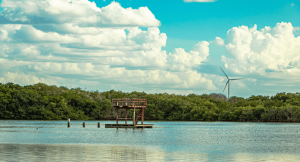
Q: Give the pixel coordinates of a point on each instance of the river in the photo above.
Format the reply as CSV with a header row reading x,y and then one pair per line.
x,y
166,141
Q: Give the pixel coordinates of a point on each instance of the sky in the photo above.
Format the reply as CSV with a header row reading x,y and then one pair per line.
x,y
155,46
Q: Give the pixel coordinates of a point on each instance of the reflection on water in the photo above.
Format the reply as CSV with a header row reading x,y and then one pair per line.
x,y
269,157
167,141
75,152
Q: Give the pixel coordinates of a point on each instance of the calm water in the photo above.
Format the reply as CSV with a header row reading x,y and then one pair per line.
x,y
167,141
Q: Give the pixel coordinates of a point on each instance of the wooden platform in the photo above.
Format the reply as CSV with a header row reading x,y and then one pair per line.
x,y
128,126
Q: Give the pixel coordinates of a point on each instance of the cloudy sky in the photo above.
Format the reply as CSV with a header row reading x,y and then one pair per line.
x,y
156,46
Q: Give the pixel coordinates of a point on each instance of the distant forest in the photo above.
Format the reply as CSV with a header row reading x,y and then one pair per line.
x,y
43,102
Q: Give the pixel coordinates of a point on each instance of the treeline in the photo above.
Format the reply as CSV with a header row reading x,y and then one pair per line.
x,y
43,102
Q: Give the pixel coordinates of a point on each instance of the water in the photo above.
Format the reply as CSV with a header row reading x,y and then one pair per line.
x,y
167,141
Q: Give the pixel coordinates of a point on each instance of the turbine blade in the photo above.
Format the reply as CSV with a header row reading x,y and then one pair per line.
x,y
237,79
225,86
224,73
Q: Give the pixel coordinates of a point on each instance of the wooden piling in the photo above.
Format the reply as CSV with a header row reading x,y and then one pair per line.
x,y
98,124
83,124
69,123
117,115
126,116
133,115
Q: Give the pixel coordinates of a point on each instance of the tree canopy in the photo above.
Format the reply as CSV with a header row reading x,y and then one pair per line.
x,y
43,102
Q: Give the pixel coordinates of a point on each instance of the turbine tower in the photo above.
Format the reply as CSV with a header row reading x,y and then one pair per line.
x,y
229,82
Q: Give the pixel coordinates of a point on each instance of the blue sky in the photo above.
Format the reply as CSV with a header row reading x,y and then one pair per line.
x,y
152,45
204,21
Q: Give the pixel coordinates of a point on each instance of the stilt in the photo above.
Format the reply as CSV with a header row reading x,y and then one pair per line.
x,y
117,115
126,116
130,104
134,115
69,123
142,116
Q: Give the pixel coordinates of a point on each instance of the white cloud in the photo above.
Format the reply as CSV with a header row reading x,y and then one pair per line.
x,y
194,80
27,79
251,79
152,37
152,59
117,15
180,60
263,51
29,34
100,46
3,35
182,80
81,12
219,41
199,0
6,63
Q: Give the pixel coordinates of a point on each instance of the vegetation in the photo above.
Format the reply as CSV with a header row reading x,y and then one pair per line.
x,y
43,102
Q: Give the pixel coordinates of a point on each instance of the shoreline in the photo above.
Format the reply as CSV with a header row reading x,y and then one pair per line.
x,y
160,121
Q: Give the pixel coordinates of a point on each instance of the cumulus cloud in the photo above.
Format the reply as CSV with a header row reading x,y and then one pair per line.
x,y
251,79
219,41
80,12
265,51
114,14
180,60
27,79
96,45
195,80
27,33
189,79
6,63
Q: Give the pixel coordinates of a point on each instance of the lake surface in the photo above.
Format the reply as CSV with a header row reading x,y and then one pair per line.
x,y
166,141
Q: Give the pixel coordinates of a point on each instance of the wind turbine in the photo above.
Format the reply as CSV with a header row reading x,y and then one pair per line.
x,y
228,82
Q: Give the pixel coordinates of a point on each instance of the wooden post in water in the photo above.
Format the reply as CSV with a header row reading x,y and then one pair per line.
x,y
134,114
98,124
142,116
126,116
83,124
69,123
117,115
